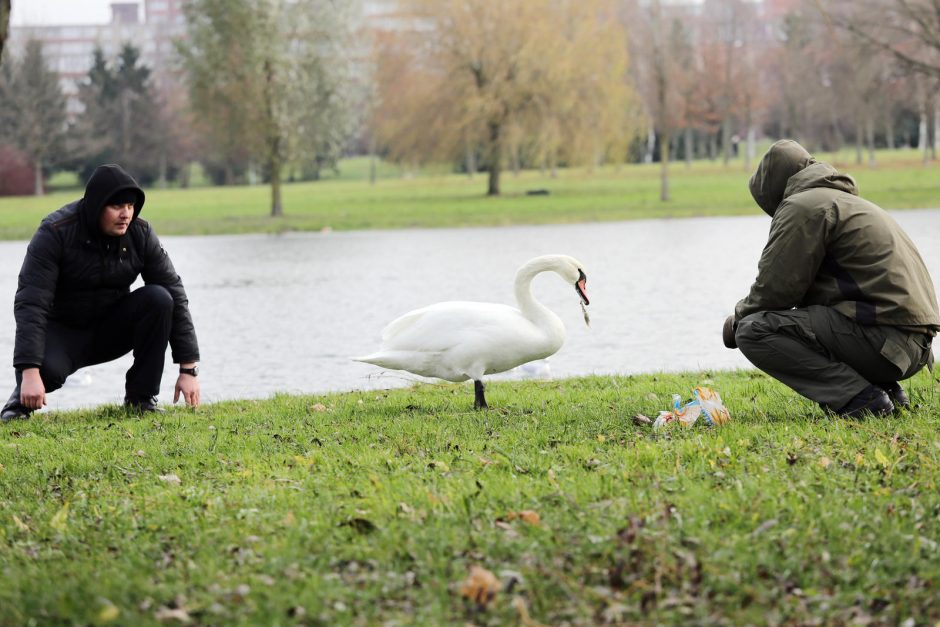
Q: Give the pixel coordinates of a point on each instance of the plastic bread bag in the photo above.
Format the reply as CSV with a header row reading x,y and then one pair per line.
x,y
715,411
686,415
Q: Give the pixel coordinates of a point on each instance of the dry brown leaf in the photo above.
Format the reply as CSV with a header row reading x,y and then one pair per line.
x,y
528,516
318,407
170,478
640,420
480,586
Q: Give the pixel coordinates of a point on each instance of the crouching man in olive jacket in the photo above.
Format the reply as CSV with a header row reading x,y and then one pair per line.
x,y
74,307
843,307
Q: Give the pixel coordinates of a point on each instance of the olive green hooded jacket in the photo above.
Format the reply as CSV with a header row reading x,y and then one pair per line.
x,y
829,247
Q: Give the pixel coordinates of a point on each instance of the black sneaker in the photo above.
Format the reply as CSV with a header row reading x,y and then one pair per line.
x,y
872,400
14,410
897,394
145,405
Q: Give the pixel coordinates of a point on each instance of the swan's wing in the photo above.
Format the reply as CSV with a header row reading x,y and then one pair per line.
x,y
441,326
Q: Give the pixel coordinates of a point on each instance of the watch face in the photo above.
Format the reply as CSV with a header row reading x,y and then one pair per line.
x,y
194,371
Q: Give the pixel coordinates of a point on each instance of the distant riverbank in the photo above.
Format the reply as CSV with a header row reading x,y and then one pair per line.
x,y
606,194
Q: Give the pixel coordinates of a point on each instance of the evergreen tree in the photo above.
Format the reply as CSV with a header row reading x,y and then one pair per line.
x,y
32,111
121,121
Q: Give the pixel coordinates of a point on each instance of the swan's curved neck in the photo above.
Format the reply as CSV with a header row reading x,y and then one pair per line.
x,y
530,307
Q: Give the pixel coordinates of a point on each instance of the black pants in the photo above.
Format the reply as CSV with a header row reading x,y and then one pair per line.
x,y
827,357
141,323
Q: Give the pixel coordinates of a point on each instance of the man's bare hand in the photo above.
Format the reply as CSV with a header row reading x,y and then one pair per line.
x,y
188,386
32,389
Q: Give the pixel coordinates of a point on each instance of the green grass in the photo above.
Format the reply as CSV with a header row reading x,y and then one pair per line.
x,y
368,507
577,195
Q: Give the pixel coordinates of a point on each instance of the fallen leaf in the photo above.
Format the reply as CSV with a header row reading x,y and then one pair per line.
x,y
170,478
825,462
436,465
486,462
319,407
881,459
480,586
527,516
601,438
289,519
172,613
61,519
641,421
108,613
20,524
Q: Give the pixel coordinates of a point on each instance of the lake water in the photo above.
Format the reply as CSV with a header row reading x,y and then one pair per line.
x,y
283,313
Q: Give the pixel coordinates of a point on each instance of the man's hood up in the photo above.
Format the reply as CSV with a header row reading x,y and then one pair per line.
x,y
106,181
769,183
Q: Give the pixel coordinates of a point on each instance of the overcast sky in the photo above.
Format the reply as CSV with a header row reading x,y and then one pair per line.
x,y
45,12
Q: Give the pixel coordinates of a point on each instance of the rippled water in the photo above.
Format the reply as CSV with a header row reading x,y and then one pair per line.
x,y
284,313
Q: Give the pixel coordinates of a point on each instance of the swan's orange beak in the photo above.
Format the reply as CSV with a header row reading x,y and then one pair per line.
x,y
581,286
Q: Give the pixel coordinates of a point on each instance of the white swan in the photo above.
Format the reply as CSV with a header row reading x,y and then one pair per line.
x,y
456,341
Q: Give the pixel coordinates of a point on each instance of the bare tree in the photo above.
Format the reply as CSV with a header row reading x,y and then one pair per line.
x,y
907,29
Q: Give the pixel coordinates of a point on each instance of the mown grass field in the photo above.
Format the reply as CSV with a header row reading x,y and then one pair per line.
x,y
629,192
371,507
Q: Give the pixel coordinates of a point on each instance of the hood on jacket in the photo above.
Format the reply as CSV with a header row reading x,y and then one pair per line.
x,y
106,181
784,159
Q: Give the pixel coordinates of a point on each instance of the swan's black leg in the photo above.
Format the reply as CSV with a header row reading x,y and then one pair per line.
x,y
479,401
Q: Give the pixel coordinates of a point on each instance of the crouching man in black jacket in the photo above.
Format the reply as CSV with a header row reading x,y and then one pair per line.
x,y
74,307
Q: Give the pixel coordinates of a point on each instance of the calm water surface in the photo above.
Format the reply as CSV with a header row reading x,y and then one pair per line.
x,y
284,313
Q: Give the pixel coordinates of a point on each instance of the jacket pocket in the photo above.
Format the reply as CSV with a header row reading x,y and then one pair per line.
x,y
898,353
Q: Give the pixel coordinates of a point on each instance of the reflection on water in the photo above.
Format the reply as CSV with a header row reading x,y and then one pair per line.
x,y
284,313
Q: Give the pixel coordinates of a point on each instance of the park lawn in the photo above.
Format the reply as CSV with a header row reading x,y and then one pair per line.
x,y
576,195
370,507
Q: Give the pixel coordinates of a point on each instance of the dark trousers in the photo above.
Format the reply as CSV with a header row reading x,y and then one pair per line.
x,y
140,322
828,357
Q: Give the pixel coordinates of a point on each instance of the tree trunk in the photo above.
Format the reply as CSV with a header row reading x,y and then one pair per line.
x,y
889,132
750,152
922,130
859,134
161,180
470,160
689,147
372,160
496,158
726,141
37,188
650,145
664,167
936,129
870,140
277,208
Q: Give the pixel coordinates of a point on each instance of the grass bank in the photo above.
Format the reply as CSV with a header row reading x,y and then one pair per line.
x,y
576,195
371,507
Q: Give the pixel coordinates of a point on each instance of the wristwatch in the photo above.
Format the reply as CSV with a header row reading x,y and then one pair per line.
x,y
194,371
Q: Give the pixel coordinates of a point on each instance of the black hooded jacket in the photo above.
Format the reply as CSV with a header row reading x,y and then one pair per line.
x,y
74,273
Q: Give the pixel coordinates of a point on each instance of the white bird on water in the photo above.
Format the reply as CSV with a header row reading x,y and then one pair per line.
x,y
457,340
